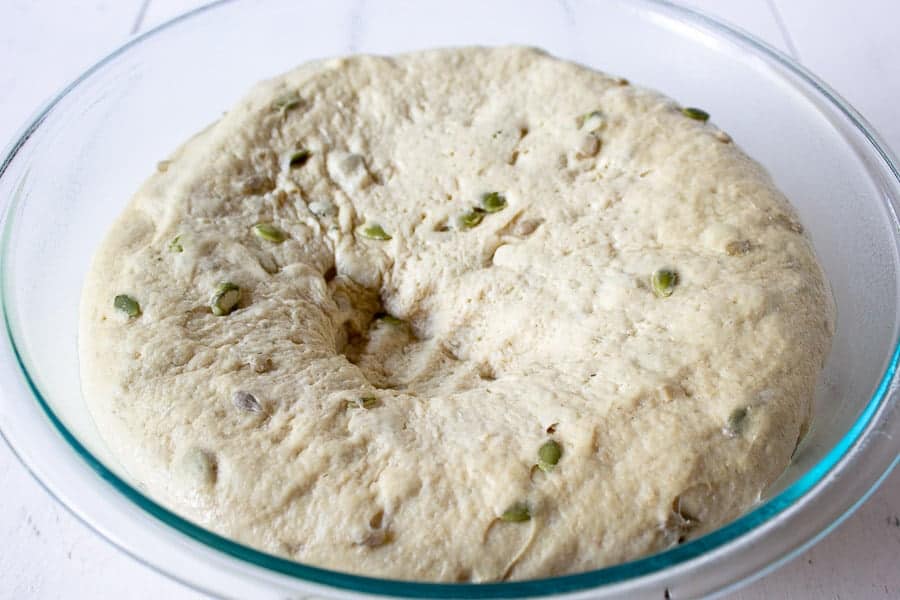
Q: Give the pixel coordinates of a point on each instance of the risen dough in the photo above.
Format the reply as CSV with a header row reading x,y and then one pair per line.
x,y
538,323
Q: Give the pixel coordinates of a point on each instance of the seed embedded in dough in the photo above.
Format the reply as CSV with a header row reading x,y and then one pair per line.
x,y
592,121
299,158
492,202
548,455
269,233
127,305
471,219
225,299
286,102
246,402
663,282
698,114
388,319
175,245
374,231
517,513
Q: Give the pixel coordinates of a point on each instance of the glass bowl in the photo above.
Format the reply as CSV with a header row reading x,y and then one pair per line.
x,y
76,164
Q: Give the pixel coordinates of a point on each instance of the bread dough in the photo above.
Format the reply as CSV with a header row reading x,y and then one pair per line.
x,y
378,405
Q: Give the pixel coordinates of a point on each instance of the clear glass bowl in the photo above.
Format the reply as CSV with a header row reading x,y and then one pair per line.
x,y
78,162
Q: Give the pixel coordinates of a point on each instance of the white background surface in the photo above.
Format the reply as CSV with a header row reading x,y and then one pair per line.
x,y
46,553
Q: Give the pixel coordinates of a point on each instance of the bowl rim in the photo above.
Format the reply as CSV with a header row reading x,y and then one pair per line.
x,y
654,564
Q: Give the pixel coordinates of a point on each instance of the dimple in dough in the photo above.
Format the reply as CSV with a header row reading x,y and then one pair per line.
x,y
377,405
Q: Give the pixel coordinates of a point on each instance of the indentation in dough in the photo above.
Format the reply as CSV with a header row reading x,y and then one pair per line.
x,y
514,154
588,147
322,208
525,227
267,262
486,372
688,511
378,345
378,533
260,363
670,391
254,184
348,171
377,518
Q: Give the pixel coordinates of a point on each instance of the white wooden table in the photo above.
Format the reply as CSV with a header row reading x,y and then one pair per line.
x,y
47,553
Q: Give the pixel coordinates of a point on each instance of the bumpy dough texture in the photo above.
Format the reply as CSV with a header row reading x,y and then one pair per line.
x,y
538,323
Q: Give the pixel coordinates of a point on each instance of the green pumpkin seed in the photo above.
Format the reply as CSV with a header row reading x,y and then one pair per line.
x,y
471,219
698,114
269,233
225,299
286,103
388,319
493,202
517,513
548,455
663,282
374,231
127,305
299,158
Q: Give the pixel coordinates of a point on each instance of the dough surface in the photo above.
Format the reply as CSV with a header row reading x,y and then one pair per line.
x,y
378,405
